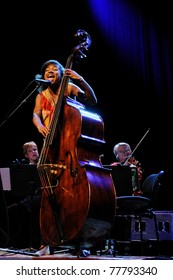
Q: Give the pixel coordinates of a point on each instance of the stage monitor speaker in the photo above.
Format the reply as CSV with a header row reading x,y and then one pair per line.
x,y
164,226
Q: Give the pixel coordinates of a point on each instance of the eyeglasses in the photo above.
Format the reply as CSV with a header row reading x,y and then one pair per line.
x,y
124,152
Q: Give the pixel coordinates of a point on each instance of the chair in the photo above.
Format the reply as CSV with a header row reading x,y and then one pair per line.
x,y
134,207
129,206
158,188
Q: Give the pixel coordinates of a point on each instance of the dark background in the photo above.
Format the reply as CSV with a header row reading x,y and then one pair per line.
x,y
128,102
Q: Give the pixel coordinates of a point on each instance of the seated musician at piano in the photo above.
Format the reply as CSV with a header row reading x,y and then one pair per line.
x,y
21,221
30,151
123,155
47,97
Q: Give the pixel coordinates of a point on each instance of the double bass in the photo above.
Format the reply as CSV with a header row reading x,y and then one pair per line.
x,y
78,195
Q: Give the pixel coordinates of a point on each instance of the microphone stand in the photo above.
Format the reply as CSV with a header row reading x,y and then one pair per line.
x,y
23,101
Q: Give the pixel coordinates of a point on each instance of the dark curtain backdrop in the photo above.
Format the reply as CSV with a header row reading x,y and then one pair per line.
x,y
129,65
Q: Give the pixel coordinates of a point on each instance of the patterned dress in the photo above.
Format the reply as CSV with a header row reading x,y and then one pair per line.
x,y
47,106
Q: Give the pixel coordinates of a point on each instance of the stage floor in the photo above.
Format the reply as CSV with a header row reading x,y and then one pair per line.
x,y
66,254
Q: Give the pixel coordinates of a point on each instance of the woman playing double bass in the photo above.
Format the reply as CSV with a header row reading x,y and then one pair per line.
x,y
76,188
45,101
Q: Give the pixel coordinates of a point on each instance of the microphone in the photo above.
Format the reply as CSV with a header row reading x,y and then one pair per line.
x,y
43,82
16,161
